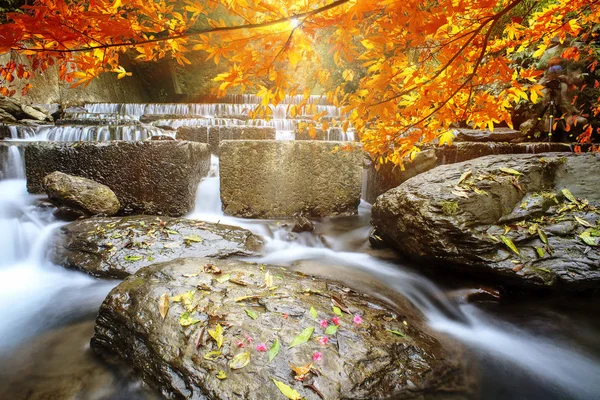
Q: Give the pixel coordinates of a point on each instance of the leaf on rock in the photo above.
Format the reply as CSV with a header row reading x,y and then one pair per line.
x,y
212,355
185,298
223,278
397,333
540,252
274,350
187,320
510,171
584,222
133,258
542,235
589,236
221,375
268,279
337,311
567,193
509,243
313,313
464,176
301,371
287,391
193,238
303,337
331,330
251,314
163,305
240,360
217,335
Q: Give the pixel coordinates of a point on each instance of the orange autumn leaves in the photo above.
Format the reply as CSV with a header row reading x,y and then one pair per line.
x,y
403,71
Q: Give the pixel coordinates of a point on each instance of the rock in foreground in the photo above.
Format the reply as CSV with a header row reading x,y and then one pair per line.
x,y
81,194
119,247
525,219
159,177
281,179
186,355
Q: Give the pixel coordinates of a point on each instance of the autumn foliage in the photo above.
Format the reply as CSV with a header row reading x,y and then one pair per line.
x,y
404,71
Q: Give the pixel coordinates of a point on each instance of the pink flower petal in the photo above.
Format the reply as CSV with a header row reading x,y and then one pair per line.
x,y
323,340
336,320
317,356
261,347
248,338
357,319
239,343
323,323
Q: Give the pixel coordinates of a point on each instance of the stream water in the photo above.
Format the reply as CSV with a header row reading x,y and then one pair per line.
x,y
525,348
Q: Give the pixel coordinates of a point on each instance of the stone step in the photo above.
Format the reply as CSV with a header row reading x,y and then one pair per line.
x,y
280,179
150,177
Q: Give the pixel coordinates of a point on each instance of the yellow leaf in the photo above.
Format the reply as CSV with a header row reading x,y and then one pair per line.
x,y
287,391
294,57
348,75
540,51
446,138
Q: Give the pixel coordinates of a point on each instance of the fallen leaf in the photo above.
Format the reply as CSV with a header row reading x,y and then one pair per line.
x,y
464,176
240,360
212,355
193,238
303,337
331,330
301,371
223,278
509,243
510,171
163,305
251,314
268,279
313,313
567,193
540,252
274,350
542,235
217,335
287,391
221,375
187,320
133,258
337,311
583,222
397,333
589,237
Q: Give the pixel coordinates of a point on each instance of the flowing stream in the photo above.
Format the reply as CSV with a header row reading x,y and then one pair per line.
x,y
525,348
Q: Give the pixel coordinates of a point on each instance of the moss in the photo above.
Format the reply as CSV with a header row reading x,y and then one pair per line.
x,y
449,207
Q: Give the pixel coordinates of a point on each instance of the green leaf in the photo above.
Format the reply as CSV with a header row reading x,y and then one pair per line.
x,y
509,243
193,238
133,258
583,222
542,235
221,375
217,335
172,232
313,313
303,337
397,333
331,330
337,311
287,391
540,252
274,350
212,355
223,278
185,298
240,360
251,314
588,237
567,193
187,320
510,171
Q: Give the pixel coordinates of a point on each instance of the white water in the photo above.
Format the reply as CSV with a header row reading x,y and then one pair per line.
x,y
34,294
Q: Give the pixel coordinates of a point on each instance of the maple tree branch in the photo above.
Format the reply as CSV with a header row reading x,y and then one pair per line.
x,y
301,16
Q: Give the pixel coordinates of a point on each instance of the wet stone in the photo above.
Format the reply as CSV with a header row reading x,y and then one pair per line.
x,y
172,341
118,247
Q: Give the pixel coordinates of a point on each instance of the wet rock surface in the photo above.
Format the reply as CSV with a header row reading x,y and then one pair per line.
x,y
179,354
12,109
498,135
528,220
166,173
213,135
280,179
118,247
80,194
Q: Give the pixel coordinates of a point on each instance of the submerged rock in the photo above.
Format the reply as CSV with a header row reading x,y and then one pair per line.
x,y
198,328
151,177
80,194
118,247
280,179
303,224
525,219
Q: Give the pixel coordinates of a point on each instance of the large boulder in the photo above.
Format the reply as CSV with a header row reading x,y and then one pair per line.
x,y
529,220
158,177
387,176
213,135
166,321
280,179
118,247
19,110
498,135
81,194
